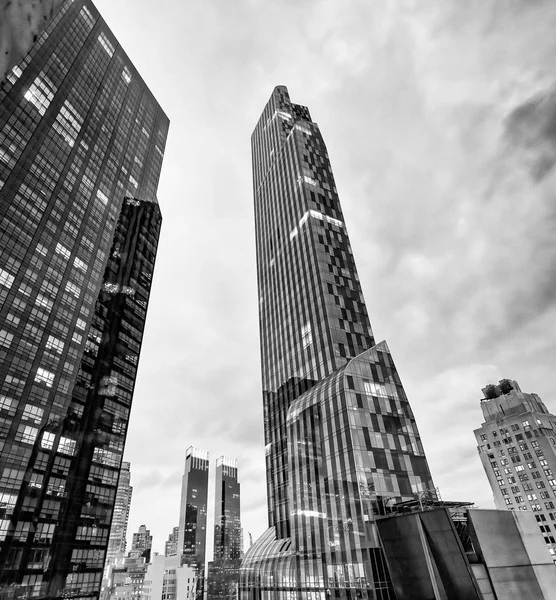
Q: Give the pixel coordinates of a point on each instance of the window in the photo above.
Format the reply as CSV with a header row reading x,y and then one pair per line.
x,y
483,437
531,465
535,507
26,434
106,44
6,279
518,499
66,446
520,468
523,446
63,251
531,497
33,413
508,500
526,425
54,344
47,441
44,376
73,289
549,505
6,338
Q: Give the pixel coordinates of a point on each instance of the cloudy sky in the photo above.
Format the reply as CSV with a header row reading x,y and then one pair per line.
x,y
440,122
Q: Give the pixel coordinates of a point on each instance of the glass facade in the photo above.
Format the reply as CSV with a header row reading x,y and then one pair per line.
x,y
192,534
341,439
81,148
223,573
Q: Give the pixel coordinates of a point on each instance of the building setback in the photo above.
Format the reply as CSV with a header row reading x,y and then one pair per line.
x,y
341,439
192,534
81,147
223,575
517,446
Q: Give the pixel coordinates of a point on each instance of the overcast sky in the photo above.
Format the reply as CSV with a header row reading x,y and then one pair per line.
x,y
440,122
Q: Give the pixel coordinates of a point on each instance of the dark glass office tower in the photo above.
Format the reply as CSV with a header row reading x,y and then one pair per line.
x,y
341,439
192,535
81,147
223,575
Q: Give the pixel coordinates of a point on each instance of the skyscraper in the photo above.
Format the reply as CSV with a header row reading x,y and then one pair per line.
x,y
142,543
81,147
118,529
341,439
223,576
517,446
192,535
171,545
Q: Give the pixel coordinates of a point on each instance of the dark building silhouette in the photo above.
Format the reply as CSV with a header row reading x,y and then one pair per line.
x,y
341,439
223,575
192,534
81,147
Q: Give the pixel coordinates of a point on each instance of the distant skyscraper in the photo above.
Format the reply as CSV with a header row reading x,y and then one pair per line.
x,y
142,543
81,147
341,439
517,446
192,535
118,530
223,576
171,546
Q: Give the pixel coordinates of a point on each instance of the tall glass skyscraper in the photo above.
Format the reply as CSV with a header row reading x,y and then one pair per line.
x,y
192,534
223,574
341,439
81,147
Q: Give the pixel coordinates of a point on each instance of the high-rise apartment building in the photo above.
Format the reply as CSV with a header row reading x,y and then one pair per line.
x,y
171,545
517,446
142,543
192,535
223,575
341,439
81,147
118,530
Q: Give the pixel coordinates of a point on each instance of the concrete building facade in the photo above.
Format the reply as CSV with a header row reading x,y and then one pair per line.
x,y
517,447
